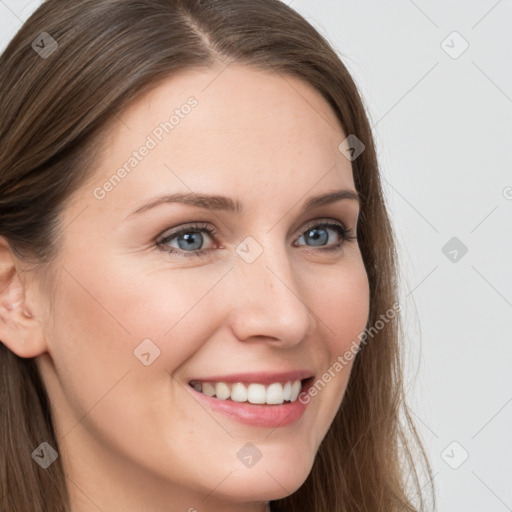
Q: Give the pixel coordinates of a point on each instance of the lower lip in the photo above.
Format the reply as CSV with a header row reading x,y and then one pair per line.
x,y
258,415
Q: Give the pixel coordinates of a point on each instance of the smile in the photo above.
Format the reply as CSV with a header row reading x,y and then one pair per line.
x,y
255,393
271,405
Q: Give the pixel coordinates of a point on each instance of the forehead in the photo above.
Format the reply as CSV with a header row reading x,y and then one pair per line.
x,y
235,128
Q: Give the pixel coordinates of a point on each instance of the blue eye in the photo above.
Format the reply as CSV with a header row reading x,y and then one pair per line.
x,y
186,241
190,238
318,233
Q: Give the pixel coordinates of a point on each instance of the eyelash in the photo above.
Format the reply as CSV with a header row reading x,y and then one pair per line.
x,y
347,235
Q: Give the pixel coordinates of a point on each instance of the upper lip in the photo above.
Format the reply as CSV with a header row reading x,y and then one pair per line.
x,y
258,377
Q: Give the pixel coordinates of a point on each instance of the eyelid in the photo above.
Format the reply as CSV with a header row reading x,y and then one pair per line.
x,y
324,220
188,226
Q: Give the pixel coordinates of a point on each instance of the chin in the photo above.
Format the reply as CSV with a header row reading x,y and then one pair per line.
x,y
274,479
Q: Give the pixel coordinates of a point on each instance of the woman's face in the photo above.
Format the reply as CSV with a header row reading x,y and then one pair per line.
x,y
271,299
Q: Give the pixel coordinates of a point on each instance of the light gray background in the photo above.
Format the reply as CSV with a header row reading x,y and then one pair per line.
x,y
443,127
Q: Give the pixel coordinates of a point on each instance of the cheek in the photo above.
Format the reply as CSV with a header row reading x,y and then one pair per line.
x,y
91,340
342,306
101,315
178,309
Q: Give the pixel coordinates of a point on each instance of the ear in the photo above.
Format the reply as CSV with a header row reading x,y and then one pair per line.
x,y
20,329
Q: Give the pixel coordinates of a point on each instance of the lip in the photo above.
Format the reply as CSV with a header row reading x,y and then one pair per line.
x,y
258,377
269,416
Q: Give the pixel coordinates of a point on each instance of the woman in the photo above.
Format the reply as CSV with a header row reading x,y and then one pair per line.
x,y
198,281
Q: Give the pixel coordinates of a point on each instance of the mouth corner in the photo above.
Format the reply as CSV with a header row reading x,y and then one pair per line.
x,y
194,384
306,382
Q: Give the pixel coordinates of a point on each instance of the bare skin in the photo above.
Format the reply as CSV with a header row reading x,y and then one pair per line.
x,y
134,437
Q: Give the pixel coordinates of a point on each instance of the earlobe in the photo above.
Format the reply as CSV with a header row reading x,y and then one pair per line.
x,y
19,330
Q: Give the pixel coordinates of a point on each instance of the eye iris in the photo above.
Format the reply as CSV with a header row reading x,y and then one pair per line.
x,y
188,237
323,238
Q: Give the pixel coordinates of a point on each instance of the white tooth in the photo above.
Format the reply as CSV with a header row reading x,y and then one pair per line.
x,y
222,391
256,393
239,392
208,389
197,386
275,393
296,386
287,390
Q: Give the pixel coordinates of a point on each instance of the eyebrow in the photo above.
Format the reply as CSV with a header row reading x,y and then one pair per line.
x,y
222,203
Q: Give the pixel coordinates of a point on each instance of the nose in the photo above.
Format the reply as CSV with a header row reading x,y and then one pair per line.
x,y
268,300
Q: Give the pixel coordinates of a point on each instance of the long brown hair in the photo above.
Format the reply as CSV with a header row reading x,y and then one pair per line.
x,y
54,109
